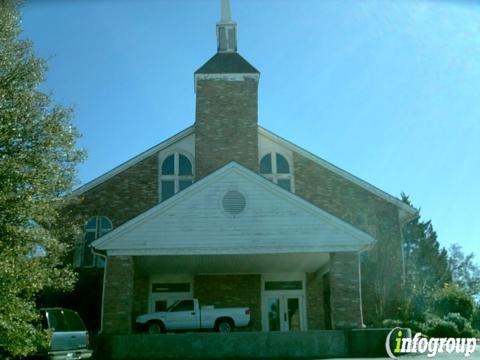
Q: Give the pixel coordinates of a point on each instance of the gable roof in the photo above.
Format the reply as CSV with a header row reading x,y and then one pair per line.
x,y
194,222
227,63
354,179
136,159
408,211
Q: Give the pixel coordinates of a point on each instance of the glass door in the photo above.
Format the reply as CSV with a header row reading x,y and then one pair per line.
x,y
273,313
292,308
284,313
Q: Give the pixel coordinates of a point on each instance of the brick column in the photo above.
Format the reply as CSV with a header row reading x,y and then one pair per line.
x,y
315,306
345,290
118,295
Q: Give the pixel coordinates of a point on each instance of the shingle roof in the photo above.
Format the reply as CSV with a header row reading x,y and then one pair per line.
x,y
227,63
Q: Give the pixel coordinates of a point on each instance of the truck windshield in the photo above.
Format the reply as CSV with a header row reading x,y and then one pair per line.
x,y
173,305
183,305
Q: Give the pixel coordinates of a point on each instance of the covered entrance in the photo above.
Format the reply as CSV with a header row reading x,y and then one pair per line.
x,y
264,252
263,282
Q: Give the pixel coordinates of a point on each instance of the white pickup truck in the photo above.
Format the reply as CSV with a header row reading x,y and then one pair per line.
x,y
187,315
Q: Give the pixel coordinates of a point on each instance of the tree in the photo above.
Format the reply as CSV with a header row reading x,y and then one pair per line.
x,y
452,299
37,168
465,273
426,266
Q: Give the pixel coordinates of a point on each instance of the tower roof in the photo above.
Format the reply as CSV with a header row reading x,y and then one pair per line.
x,y
227,63
227,60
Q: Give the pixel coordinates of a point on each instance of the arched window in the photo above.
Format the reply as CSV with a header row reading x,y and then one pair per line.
x,y
276,168
176,175
94,228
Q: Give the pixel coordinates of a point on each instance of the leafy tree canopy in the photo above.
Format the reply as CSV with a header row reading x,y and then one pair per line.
x,y
466,274
424,254
452,299
426,266
37,168
440,286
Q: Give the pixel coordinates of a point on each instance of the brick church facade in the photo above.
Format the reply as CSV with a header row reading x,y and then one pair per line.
x,y
234,215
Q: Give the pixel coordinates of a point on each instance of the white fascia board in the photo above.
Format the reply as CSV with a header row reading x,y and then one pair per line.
x,y
356,180
364,238
251,250
129,163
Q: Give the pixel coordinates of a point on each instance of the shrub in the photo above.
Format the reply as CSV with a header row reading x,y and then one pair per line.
x,y
457,319
392,323
416,326
468,331
476,317
437,327
451,299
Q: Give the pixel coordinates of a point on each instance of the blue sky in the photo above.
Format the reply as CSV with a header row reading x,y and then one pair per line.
x,y
387,90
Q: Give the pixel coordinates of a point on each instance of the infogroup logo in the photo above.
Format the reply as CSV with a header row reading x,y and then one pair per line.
x,y
420,344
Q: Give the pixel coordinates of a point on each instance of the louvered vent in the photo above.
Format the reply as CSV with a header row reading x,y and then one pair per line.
x,y
234,202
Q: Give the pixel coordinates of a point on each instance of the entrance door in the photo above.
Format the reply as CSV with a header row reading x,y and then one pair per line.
x,y
284,312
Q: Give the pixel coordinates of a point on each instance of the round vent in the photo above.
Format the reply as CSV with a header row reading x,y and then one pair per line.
x,y
234,202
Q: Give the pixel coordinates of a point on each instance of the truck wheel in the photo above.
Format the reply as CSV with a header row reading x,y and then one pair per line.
x,y
225,326
155,327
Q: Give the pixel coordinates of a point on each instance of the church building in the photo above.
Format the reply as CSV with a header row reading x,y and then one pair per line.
x,y
232,214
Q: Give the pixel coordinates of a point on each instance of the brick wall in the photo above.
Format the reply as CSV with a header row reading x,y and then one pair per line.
x,y
345,292
123,196
315,305
118,296
382,266
231,291
226,124
140,295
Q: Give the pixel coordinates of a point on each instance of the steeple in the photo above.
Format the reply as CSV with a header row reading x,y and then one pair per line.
x,y
226,30
226,113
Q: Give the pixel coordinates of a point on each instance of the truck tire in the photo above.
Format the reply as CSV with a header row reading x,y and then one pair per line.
x,y
155,327
224,325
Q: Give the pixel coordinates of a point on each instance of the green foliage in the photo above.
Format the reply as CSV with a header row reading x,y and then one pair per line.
x,y
439,286
37,168
466,274
392,323
426,268
476,317
437,327
426,262
457,319
452,299
451,325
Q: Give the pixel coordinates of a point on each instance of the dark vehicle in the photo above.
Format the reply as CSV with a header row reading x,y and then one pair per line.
x,y
70,339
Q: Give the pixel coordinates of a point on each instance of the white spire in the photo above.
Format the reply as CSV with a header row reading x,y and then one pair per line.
x,y
226,14
226,30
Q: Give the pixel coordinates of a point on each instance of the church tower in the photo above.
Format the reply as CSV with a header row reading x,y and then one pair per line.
x,y
226,88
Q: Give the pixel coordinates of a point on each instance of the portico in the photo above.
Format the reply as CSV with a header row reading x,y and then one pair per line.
x,y
235,239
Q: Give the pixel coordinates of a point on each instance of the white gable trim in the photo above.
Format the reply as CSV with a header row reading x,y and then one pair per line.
x,y
363,239
240,250
363,184
129,163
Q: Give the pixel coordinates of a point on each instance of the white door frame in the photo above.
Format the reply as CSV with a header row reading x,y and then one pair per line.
x,y
169,297
283,295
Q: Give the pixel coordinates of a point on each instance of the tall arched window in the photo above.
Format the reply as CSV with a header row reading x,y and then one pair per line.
x,y
276,168
176,175
94,228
